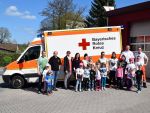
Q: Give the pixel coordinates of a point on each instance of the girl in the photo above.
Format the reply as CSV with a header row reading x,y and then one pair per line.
x,y
119,75
130,74
79,77
123,64
98,79
103,72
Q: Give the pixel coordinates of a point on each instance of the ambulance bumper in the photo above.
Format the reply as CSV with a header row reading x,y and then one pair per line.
x,y
6,78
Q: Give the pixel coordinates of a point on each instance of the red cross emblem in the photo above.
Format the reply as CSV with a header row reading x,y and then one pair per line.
x,y
84,44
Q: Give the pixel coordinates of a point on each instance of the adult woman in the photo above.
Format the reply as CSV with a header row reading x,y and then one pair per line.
x,y
112,68
102,59
76,62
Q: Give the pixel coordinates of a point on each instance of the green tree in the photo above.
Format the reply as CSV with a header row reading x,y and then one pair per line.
x,y
97,13
58,12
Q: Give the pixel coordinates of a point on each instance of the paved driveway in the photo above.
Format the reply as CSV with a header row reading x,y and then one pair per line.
x,y
67,101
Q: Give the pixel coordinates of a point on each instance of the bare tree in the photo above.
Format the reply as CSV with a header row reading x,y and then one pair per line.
x,y
58,12
4,35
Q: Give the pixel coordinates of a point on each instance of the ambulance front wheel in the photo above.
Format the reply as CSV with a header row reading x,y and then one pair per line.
x,y
17,82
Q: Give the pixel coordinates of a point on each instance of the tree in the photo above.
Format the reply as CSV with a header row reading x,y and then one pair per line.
x,y
97,13
58,12
4,35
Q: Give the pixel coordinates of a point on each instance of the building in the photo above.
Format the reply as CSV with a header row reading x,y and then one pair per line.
x,y
135,20
9,48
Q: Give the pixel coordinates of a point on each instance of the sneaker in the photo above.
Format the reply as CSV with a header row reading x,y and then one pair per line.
x,y
55,89
104,88
89,90
138,91
39,92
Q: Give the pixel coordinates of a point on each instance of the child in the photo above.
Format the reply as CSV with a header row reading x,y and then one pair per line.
x,y
119,75
92,77
131,71
139,74
98,79
123,64
86,78
103,72
47,68
79,77
137,63
49,79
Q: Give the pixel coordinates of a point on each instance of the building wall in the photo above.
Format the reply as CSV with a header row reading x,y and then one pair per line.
x,y
126,21
137,19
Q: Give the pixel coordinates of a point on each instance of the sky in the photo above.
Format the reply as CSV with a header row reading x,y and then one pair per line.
x,y
22,17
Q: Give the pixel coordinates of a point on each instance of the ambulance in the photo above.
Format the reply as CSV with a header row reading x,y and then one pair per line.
x,y
87,40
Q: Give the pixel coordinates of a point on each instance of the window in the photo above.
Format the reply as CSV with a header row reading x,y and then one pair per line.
x,y
140,42
32,53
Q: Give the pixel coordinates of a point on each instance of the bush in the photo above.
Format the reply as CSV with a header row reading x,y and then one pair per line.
x,y
7,60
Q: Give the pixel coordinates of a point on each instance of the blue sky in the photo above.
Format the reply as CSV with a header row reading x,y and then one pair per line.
x,y
22,17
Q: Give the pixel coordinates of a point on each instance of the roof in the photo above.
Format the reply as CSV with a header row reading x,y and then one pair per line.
x,y
129,9
8,47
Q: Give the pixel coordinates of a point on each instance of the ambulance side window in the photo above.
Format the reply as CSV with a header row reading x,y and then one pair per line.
x,y
32,53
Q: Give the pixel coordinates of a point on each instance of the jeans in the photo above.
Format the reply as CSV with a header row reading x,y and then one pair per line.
x,y
98,84
78,84
103,81
92,82
67,79
119,82
86,83
129,83
49,86
40,83
139,84
55,73
112,78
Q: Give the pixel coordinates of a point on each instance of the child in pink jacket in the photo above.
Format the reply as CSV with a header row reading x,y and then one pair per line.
x,y
119,75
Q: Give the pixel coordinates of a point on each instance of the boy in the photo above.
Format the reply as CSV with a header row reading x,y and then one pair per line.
x,y
86,78
48,78
139,74
79,77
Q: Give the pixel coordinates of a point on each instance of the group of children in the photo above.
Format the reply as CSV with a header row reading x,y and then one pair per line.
x,y
123,75
94,76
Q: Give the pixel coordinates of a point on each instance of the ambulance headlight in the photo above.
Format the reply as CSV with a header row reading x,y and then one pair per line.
x,y
3,70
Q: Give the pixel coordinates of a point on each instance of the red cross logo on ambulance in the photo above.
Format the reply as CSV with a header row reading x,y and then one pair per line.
x,y
84,44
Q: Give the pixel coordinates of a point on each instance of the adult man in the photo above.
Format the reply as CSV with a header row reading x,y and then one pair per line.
x,y
67,69
128,54
143,59
42,61
55,63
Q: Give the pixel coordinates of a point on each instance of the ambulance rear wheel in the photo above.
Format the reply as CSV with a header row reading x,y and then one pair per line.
x,y
17,82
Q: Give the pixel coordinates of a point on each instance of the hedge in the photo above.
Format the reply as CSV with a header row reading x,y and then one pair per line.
x,y
6,58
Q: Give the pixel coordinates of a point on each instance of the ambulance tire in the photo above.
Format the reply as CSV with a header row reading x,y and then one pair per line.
x,y
17,82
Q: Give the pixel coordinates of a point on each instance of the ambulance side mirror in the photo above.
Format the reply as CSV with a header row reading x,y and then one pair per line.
x,y
21,60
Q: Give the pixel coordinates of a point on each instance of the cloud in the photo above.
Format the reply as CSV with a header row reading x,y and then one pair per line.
x,y
29,30
13,11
